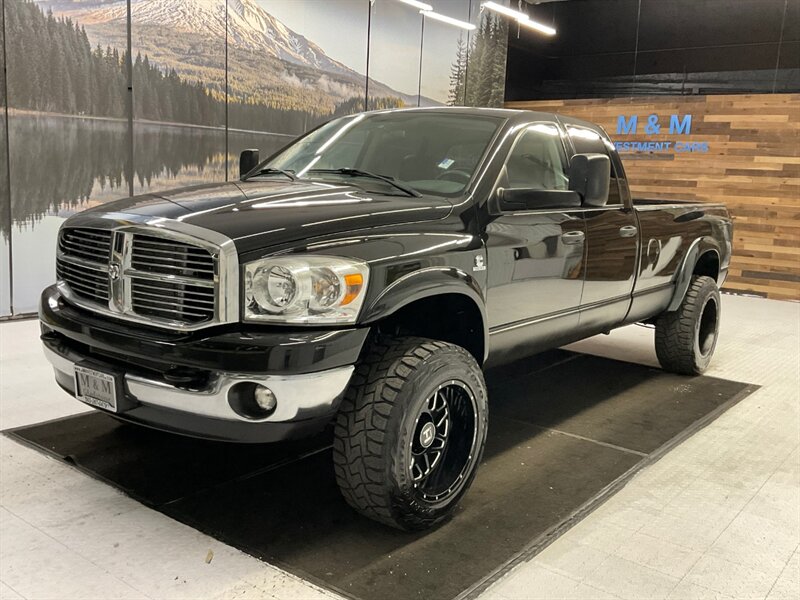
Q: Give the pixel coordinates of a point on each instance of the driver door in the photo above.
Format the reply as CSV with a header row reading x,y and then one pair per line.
x,y
535,256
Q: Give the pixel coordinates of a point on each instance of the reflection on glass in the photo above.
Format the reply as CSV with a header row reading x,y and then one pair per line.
x,y
433,152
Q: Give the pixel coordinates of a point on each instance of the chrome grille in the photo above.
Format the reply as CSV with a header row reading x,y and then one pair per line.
x,y
164,280
172,280
82,262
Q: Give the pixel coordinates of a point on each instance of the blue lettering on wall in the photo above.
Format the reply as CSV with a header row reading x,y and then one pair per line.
x,y
627,127
678,125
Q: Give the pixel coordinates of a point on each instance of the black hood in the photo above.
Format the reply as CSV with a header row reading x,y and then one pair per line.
x,y
258,214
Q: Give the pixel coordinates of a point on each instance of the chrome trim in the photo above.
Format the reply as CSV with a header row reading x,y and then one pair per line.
x,y
120,306
299,396
83,262
689,205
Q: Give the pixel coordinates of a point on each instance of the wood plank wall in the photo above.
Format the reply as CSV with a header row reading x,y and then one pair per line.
x,y
752,165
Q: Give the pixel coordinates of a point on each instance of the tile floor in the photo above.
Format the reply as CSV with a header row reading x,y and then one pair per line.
x,y
718,517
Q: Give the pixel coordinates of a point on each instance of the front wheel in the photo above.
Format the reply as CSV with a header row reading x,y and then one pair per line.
x,y
410,431
687,337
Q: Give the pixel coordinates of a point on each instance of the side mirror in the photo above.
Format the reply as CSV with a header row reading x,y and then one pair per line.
x,y
589,176
532,199
248,160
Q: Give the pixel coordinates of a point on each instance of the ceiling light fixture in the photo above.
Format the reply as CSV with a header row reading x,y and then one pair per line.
x,y
545,29
415,4
448,20
504,10
519,17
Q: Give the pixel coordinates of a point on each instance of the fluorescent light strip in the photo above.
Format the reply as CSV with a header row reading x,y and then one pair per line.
x,y
520,17
545,29
504,10
448,20
415,4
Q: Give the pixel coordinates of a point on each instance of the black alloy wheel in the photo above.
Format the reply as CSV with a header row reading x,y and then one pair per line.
x,y
443,445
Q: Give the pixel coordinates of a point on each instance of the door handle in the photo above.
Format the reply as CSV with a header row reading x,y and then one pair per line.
x,y
627,231
573,237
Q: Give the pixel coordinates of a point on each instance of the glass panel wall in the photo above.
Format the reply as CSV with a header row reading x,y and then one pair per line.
x,y
291,66
178,51
67,127
5,200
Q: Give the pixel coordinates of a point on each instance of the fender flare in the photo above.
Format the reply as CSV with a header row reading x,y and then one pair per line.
x,y
425,283
683,277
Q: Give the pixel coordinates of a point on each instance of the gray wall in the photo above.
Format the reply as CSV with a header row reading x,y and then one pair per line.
x,y
84,124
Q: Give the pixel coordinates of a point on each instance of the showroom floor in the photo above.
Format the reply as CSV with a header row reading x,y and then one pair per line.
x,y
717,517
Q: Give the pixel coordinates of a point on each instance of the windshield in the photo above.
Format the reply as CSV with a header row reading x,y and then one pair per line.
x,y
430,152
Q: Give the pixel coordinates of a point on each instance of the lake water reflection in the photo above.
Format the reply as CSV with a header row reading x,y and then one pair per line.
x,y
62,165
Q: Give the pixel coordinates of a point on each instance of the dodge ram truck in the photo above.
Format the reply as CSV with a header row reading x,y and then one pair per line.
x,y
364,277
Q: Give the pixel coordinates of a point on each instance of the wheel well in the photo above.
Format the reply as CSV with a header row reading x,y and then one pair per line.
x,y
453,318
708,265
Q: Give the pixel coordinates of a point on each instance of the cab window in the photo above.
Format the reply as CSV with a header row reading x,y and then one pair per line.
x,y
537,160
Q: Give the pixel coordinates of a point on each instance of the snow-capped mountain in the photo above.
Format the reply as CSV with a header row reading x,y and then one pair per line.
x,y
267,56
250,27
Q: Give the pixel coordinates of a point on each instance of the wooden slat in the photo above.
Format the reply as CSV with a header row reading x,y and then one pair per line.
x,y
753,166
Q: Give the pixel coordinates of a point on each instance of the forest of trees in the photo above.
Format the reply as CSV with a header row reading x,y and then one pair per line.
x,y
59,71
477,76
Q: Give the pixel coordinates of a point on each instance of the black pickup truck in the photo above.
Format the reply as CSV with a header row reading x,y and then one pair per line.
x,y
364,276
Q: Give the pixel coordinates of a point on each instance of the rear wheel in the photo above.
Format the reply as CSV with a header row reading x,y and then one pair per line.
x,y
687,337
410,431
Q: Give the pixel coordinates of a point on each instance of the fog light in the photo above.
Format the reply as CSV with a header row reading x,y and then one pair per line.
x,y
265,399
252,400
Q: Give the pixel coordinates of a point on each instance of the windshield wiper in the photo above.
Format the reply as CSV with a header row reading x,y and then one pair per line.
x,y
359,173
271,171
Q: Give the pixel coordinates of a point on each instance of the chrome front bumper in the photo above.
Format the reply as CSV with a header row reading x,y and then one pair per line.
x,y
300,397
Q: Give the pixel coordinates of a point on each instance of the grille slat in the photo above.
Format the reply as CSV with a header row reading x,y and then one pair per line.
x,y
159,288
169,245
170,259
81,278
184,300
97,252
171,315
164,249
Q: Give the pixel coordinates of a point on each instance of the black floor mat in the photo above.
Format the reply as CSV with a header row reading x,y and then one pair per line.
x,y
564,429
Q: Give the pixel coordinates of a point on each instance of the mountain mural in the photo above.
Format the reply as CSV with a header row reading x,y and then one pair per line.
x,y
268,62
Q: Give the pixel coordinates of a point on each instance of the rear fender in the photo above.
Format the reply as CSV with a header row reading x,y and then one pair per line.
x,y
683,277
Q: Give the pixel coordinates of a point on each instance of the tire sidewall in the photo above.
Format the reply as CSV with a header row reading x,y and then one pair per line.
x,y
708,293
446,365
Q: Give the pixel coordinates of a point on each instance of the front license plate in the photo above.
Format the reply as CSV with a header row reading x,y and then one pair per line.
x,y
96,388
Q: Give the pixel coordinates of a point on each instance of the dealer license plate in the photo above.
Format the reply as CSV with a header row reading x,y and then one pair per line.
x,y
96,388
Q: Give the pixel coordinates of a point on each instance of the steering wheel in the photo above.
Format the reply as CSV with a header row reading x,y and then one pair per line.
x,y
455,175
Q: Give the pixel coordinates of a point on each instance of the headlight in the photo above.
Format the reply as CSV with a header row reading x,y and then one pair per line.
x,y
304,289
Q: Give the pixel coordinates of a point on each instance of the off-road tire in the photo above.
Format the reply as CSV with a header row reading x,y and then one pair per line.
x,y
375,428
686,338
